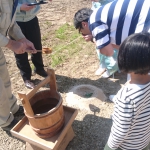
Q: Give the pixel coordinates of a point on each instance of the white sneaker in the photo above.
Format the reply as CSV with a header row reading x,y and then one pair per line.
x,y
100,71
106,74
111,98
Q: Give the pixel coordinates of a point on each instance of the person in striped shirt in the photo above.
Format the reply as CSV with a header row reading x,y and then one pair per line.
x,y
113,22
131,118
108,65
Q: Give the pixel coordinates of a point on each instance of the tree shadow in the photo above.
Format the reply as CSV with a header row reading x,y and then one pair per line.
x,y
109,85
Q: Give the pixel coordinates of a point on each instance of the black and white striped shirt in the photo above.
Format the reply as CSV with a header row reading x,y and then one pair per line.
x,y
115,21
131,118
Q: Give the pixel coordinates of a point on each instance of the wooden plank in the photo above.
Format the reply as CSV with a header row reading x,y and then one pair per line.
x,y
32,147
67,138
19,124
68,125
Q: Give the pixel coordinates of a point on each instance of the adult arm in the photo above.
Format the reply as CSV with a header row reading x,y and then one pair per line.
x,y
107,50
101,33
15,46
16,33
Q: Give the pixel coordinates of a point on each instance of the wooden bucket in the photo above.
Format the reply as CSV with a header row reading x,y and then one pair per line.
x,y
44,109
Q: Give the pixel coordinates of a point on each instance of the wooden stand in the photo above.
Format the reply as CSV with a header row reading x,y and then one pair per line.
x,y
58,142
65,141
42,122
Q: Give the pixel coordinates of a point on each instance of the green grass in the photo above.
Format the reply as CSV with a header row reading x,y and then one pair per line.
x,y
32,66
66,43
66,33
65,53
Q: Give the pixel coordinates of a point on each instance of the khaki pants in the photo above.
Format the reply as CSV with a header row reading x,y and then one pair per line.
x,y
8,102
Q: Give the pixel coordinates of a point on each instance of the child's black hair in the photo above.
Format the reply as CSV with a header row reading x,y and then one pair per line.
x,y
80,16
134,54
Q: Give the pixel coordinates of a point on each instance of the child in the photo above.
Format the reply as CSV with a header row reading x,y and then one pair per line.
x,y
108,65
131,117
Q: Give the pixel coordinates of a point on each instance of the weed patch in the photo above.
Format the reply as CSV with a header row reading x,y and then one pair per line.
x,y
66,42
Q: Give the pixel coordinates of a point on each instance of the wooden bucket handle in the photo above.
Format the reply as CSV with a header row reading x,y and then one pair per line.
x,y
26,97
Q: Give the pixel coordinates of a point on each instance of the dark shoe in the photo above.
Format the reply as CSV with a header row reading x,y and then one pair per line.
x,y
42,73
9,127
29,84
20,112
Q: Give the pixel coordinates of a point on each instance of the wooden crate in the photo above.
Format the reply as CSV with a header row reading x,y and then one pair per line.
x,y
23,131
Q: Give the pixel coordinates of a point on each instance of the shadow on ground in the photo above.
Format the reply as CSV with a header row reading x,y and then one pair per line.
x,y
109,85
91,133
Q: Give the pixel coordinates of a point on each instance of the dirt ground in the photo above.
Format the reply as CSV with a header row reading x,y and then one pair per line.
x,y
91,127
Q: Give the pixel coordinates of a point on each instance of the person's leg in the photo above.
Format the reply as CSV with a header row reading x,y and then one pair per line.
x,y
6,117
8,102
23,62
108,148
23,65
102,67
111,64
22,59
34,36
147,147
